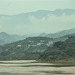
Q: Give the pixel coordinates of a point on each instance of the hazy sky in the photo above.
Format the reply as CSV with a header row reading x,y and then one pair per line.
x,y
51,25
21,6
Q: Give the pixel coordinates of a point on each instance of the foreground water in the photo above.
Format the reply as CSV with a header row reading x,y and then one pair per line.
x,y
31,67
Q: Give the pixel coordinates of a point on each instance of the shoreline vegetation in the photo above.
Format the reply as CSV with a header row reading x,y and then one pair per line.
x,y
57,62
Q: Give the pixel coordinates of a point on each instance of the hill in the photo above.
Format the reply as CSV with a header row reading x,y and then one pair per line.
x,y
60,33
61,51
7,38
30,48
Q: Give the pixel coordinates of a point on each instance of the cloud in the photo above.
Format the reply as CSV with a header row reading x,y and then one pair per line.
x,y
35,25
52,23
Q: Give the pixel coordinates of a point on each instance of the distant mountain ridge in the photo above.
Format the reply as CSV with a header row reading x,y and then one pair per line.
x,y
59,34
23,18
38,21
42,13
7,38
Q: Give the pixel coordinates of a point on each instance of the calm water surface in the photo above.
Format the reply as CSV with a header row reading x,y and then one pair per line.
x,y
31,67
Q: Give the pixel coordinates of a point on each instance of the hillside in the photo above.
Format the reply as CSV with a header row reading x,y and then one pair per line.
x,y
30,48
61,51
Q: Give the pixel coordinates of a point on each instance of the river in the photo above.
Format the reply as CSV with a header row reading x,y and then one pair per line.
x,y
31,67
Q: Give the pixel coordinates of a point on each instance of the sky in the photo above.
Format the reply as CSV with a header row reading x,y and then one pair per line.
x,y
22,6
51,25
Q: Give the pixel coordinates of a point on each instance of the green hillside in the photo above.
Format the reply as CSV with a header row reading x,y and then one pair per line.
x,y
30,48
61,51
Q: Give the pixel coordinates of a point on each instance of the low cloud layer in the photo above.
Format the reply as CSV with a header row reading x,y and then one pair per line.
x,y
51,24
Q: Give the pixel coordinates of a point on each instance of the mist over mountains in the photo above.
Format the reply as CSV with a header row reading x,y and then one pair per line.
x,y
39,21
42,23
6,38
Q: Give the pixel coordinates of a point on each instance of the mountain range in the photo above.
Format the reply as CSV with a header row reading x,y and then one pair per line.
x,y
7,38
59,34
38,21
62,35
23,18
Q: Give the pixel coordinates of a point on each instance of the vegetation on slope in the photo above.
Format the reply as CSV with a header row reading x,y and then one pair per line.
x,y
30,48
61,51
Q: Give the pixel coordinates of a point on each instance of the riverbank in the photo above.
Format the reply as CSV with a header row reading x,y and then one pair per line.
x,y
32,67
61,62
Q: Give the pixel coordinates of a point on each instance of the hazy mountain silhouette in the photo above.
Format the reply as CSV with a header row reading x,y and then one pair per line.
x,y
23,18
7,38
38,21
59,34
